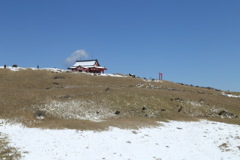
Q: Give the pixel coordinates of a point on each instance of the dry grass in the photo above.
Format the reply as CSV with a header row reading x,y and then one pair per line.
x,y
7,152
124,123
224,147
72,100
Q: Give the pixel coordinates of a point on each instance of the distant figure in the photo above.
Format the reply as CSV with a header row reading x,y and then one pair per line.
x,y
15,65
5,66
37,66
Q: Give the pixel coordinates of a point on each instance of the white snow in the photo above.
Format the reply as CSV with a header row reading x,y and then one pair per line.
x,y
85,63
204,140
230,95
111,75
54,69
33,68
12,68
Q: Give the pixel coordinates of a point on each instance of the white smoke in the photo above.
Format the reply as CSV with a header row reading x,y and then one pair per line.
x,y
78,54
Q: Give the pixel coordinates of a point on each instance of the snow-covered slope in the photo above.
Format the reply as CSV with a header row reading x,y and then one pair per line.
x,y
204,140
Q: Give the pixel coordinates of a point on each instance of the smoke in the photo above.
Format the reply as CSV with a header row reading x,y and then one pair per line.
x,y
81,53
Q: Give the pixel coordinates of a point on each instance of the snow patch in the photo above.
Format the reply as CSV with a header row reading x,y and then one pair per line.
x,y
230,95
57,70
32,68
102,74
12,68
195,104
77,110
112,75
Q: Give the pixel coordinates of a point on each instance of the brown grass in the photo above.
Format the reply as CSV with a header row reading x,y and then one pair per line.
x,y
7,152
124,123
26,96
224,147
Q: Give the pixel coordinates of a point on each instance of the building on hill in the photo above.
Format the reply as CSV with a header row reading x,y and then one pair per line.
x,y
90,66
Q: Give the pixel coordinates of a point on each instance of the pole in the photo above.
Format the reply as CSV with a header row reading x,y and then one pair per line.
x,y
160,76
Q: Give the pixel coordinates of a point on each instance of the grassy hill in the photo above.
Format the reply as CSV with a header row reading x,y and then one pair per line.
x,y
39,98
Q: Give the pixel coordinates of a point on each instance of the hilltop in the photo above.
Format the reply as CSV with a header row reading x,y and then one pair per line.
x,y
60,99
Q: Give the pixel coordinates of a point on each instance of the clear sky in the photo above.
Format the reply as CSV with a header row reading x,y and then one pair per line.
x,y
190,41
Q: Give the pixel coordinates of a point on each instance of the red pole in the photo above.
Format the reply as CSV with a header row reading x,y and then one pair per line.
x,y
160,76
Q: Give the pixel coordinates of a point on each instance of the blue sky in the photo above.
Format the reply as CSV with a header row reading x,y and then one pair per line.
x,y
190,41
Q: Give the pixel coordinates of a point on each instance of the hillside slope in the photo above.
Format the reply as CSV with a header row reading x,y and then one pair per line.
x,y
47,99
